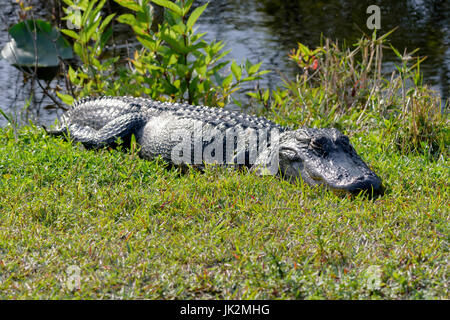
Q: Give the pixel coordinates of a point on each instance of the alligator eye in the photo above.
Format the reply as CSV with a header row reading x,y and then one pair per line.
x,y
304,141
302,136
315,145
318,143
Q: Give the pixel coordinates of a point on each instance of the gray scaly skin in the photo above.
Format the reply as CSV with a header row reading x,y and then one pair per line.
x,y
318,156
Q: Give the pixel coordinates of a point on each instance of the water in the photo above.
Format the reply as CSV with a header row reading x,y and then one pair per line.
x,y
15,93
266,30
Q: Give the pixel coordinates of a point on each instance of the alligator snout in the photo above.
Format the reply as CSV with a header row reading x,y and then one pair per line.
x,y
368,184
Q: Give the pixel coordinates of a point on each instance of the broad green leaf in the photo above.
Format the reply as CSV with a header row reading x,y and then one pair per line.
x,y
248,65
195,15
219,66
70,33
187,7
72,74
147,42
98,9
83,4
254,68
201,70
88,34
266,95
106,21
96,63
173,42
130,4
172,60
68,2
78,49
222,55
87,13
105,36
182,70
127,18
263,72
196,46
169,5
197,36
227,81
67,99
236,70
179,28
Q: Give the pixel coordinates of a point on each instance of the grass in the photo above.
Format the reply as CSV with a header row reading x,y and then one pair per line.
x,y
134,229
106,224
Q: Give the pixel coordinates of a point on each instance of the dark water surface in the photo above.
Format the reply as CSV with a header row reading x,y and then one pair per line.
x,y
266,30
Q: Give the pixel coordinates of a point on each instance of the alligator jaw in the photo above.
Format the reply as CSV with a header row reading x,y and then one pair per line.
x,y
369,185
345,173
325,157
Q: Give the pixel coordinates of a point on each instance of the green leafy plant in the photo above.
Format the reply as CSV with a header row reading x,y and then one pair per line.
x,y
173,62
422,127
90,33
342,87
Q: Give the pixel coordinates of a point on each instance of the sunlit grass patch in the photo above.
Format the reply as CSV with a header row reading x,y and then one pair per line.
x,y
136,229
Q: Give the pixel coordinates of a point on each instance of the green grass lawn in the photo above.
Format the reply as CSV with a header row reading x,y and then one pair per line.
x,y
133,229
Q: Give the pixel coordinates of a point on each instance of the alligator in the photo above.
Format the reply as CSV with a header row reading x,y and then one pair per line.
x,y
188,135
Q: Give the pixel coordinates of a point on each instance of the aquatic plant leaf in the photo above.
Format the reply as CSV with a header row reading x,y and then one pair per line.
x,y
36,41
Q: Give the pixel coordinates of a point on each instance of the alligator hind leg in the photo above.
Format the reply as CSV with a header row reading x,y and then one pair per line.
x,y
60,131
122,127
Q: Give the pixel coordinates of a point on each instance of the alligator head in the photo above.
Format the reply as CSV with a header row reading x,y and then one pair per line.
x,y
324,157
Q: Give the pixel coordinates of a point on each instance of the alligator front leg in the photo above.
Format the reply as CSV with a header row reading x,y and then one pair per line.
x,y
122,127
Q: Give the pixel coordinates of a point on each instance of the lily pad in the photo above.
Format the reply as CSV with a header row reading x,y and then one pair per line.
x,y
36,41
